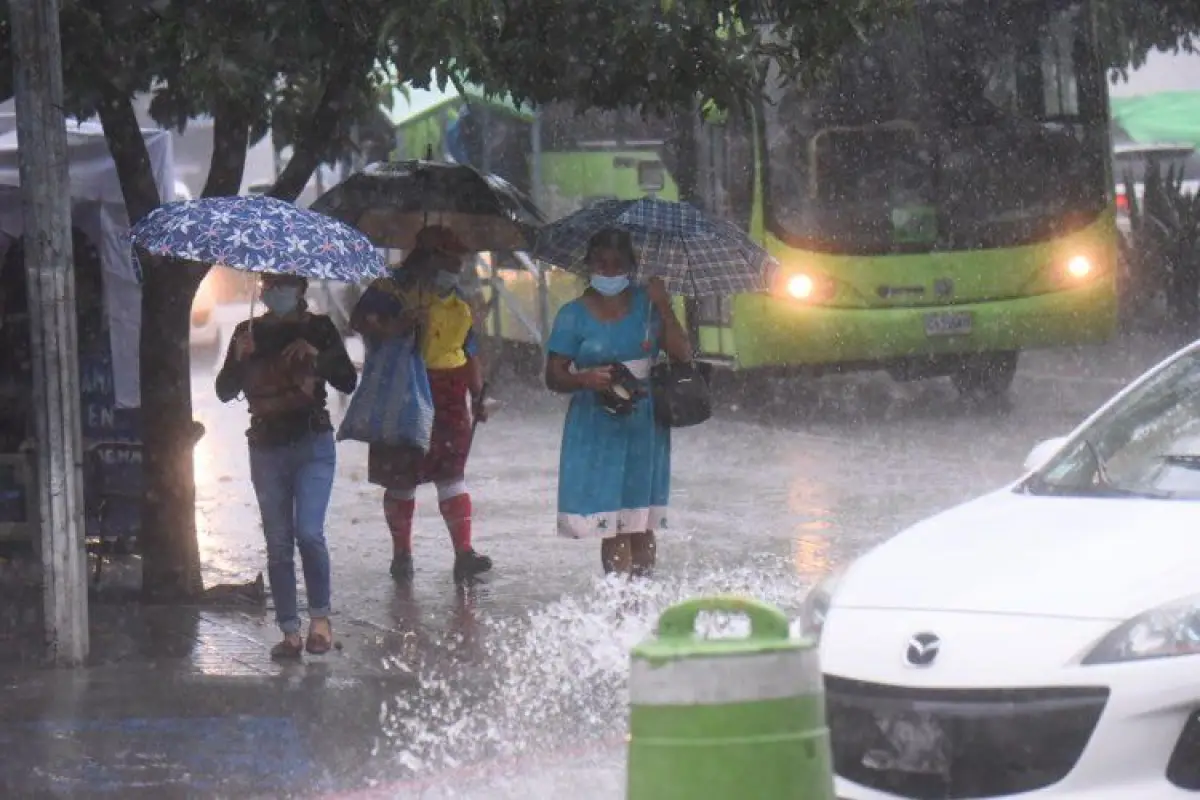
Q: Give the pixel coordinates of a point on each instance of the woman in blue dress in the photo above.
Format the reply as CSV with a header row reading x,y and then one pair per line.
x,y
614,476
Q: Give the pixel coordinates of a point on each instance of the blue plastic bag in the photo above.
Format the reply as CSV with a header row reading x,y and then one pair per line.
x,y
393,404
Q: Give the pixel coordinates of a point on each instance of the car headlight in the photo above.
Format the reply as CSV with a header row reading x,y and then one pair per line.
x,y
1163,632
816,605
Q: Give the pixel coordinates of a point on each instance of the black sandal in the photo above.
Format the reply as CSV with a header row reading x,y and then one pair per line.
x,y
288,650
319,644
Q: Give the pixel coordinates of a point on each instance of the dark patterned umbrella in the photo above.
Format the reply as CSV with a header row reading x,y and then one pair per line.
x,y
694,254
391,201
259,234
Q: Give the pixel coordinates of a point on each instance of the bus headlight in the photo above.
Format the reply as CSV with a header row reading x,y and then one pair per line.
x,y
804,287
1080,267
801,287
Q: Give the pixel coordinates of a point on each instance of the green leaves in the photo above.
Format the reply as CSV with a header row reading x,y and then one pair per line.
x,y
657,56
1130,29
270,59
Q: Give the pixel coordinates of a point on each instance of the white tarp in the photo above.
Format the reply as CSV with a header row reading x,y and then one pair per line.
x,y
98,209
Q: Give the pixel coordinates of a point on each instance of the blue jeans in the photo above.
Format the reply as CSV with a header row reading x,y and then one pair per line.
x,y
293,483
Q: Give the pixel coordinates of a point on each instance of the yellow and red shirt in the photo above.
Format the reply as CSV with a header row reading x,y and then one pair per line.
x,y
448,334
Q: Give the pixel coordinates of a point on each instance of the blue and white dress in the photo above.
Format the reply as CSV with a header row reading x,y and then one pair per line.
x,y
614,474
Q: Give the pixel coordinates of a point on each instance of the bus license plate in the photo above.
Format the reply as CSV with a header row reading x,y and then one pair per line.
x,y
948,323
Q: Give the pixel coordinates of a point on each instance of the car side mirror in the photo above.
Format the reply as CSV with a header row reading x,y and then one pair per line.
x,y
1043,452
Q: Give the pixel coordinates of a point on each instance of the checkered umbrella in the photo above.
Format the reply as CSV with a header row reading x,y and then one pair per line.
x,y
695,255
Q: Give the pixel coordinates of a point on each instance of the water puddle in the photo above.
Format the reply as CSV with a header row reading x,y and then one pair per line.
x,y
543,699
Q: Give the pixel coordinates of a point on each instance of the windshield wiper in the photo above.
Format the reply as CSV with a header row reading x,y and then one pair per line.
x,y
1103,485
1101,469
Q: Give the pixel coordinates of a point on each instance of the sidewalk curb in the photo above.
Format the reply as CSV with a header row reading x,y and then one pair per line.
x,y
486,768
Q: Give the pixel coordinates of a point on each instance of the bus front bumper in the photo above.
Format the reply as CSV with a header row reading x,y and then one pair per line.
x,y
771,332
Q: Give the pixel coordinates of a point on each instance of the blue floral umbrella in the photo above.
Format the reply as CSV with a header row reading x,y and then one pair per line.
x,y
259,234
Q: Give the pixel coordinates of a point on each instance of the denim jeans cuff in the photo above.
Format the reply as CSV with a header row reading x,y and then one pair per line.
x,y
289,626
319,613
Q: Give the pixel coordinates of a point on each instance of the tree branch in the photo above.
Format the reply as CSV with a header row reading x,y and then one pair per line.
x,y
306,154
129,153
231,138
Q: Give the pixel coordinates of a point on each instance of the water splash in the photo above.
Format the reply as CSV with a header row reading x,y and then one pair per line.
x,y
557,678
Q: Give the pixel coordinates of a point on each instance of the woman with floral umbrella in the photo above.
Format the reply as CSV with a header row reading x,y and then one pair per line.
x,y
281,362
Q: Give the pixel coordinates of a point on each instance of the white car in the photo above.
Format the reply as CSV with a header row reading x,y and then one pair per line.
x,y
1041,641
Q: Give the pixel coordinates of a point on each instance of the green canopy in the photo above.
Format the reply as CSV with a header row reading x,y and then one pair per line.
x,y
410,103
1161,117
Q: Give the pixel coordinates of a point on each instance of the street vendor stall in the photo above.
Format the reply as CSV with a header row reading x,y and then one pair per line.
x,y
108,301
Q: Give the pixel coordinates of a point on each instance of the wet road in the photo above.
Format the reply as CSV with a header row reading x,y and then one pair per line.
x,y
789,481
810,476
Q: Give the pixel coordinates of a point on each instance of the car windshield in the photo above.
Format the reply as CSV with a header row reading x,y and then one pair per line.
x,y
959,127
1146,445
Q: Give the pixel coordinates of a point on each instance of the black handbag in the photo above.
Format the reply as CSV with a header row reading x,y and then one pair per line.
x,y
682,393
622,397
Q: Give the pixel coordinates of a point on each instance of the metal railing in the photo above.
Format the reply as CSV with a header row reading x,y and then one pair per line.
x,y
501,298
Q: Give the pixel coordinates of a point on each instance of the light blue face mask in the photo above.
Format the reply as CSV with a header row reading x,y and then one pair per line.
x,y
281,300
446,282
610,285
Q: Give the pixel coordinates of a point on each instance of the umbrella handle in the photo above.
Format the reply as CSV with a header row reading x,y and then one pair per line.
x,y
475,418
479,402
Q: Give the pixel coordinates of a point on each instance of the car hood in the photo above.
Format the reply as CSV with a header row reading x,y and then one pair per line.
x,y
1012,553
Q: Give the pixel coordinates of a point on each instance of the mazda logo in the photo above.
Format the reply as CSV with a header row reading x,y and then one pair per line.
x,y
922,649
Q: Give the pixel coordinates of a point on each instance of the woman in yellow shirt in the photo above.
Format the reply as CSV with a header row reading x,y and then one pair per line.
x,y
423,295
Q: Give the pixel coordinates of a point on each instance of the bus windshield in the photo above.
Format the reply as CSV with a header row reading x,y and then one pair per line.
x,y
965,125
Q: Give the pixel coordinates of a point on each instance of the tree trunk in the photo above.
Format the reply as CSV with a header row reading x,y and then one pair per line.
x,y
687,157
306,154
170,552
687,178
231,138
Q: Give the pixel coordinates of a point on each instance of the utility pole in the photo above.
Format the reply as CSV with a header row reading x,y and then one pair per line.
x,y
46,204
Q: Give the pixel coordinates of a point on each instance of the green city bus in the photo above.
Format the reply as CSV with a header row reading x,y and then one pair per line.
x,y
940,201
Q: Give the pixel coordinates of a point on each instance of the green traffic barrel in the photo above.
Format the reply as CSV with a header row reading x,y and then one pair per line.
x,y
727,719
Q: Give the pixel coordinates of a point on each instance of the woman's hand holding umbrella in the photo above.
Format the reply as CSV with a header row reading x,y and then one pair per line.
x,y
243,345
657,290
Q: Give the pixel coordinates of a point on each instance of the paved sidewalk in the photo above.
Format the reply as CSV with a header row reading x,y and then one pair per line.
x,y
184,702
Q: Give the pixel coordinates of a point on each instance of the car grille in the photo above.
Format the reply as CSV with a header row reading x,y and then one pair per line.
x,y
948,744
